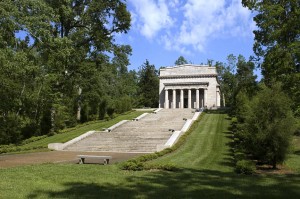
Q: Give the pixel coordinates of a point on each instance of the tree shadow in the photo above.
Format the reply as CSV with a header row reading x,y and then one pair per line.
x,y
185,183
297,152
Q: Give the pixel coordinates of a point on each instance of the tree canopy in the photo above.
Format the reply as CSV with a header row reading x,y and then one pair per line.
x,y
58,61
181,60
148,85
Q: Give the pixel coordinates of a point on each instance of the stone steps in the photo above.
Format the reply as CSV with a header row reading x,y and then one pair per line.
x,y
136,136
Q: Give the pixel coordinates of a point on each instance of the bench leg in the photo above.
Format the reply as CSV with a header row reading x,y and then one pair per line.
x,y
106,161
81,161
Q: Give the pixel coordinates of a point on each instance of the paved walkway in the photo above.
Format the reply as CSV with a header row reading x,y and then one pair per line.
x,y
57,157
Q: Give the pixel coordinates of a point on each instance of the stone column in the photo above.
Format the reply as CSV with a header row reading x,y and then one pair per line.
x,y
197,98
181,98
217,93
189,98
174,98
166,99
205,97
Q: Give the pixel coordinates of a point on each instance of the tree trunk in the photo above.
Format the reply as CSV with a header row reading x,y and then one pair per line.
x,y
274,163
79,104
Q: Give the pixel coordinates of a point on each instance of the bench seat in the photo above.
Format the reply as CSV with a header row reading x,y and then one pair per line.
x,y
83,157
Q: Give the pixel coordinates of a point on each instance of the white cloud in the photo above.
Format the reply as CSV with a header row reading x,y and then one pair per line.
x,y
153,16
197,23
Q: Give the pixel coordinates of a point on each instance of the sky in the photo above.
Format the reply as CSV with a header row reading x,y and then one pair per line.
x,y
198,30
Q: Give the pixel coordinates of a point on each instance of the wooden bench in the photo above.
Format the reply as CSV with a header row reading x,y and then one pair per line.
x,y
83,157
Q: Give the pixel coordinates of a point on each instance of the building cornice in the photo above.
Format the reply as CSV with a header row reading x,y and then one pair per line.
x,y
186,83
187,76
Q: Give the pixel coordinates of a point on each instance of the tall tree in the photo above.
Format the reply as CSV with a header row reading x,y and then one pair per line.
x,y
148,85
65,47
227,79
277,43
181,60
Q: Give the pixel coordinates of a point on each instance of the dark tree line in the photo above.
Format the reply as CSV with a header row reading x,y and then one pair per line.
x,y
66,68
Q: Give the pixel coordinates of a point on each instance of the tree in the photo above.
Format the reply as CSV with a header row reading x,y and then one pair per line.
x,y
65,49
268,125
181,60
277,43
235,76
148,85
227,79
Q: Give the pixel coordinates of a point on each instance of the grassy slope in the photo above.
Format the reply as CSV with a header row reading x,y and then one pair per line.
x,y
206,148
294,159
205,172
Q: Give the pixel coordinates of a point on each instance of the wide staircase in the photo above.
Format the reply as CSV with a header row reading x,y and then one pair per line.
x,y
136,136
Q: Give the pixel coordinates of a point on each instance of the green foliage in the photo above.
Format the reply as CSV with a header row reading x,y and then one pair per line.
x,y
245,167
277,45
59,72
123,104
181,61
132,165
236,76
10,129
102,109
148,85
268,126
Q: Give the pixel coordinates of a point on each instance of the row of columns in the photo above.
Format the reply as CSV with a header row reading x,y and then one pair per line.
x,y
182,98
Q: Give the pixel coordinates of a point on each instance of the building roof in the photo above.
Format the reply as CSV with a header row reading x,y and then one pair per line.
x,y
188,70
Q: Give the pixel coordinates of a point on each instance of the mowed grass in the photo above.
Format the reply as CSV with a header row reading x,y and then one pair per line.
x,y
205,172
293,160
206,148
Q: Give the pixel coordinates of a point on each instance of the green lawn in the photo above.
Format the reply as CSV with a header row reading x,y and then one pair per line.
x,y
205,172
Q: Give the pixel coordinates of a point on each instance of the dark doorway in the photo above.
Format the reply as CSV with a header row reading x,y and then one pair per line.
x,y
185,103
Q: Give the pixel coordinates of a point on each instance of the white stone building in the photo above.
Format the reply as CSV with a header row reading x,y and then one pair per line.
x,y
189,86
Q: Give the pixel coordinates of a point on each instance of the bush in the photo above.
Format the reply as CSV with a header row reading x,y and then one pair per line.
x,y
110,112
132,165
245,167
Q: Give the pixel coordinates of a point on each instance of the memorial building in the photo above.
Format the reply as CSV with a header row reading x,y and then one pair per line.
x,y
189,86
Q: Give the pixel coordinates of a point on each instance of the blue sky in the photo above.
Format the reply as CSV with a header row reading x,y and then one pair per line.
x,y
162,30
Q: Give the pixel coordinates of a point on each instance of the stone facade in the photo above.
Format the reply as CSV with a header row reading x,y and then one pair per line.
x,y
189,86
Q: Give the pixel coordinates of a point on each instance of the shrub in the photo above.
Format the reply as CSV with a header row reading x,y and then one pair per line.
x,y
245,167
132,165
110,112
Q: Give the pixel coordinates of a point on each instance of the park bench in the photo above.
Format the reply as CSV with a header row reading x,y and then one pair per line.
x,y
83,157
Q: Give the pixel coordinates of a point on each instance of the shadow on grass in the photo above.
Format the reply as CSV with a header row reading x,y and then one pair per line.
x,y
185,183
218,111
297,152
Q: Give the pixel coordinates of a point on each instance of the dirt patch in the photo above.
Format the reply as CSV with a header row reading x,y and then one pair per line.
x,y
7,161
267,169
